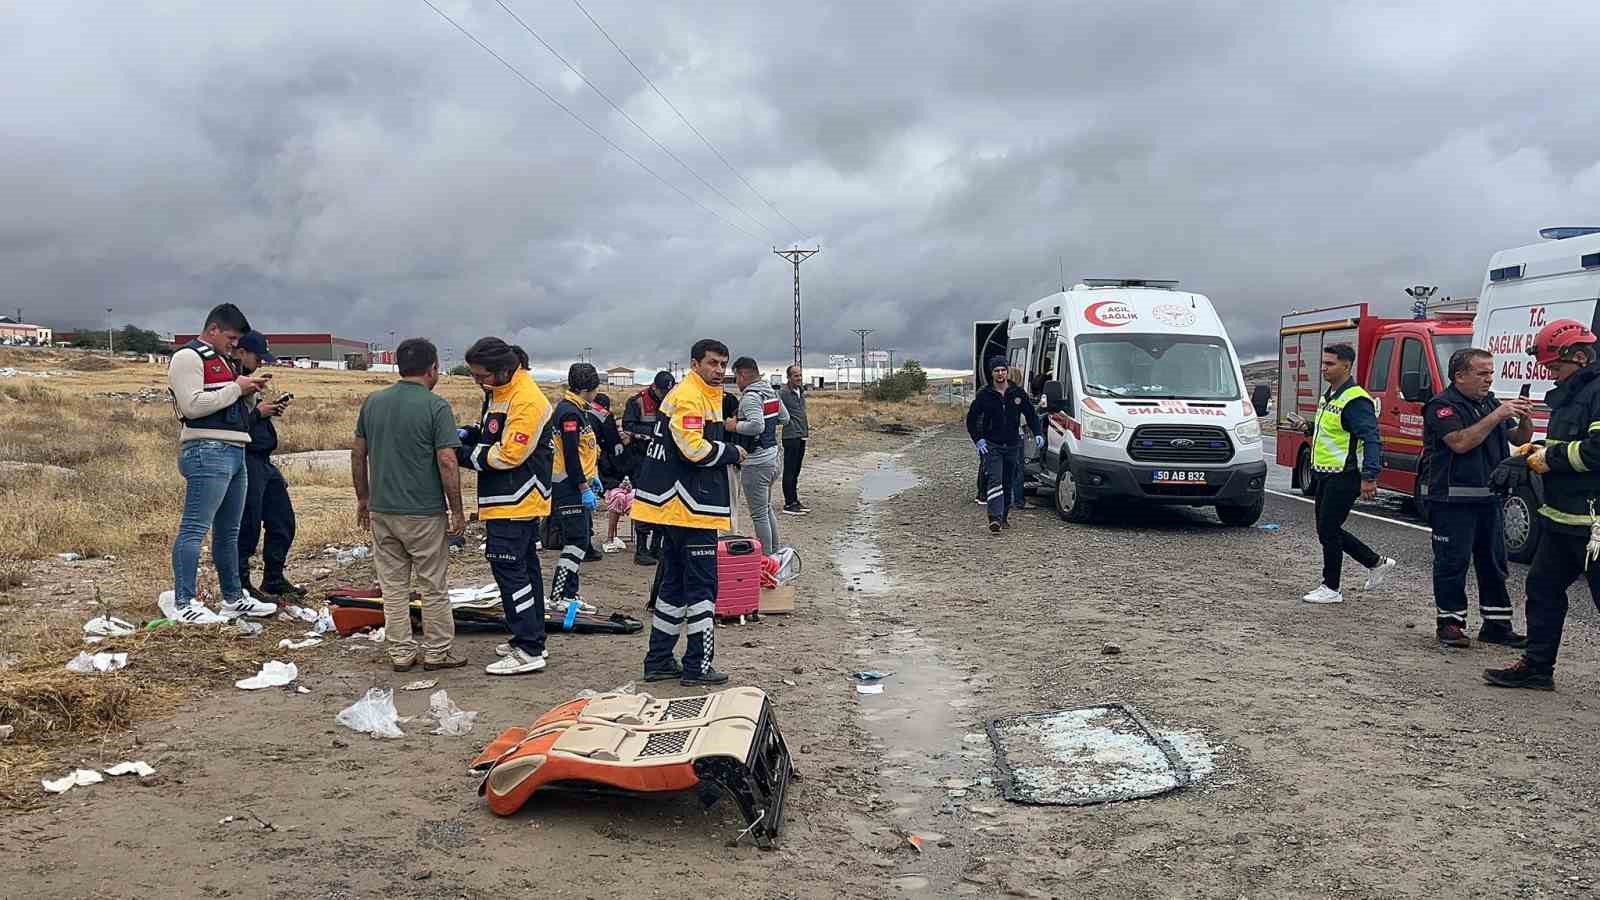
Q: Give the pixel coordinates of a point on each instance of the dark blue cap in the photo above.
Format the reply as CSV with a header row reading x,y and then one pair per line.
x,y
256,342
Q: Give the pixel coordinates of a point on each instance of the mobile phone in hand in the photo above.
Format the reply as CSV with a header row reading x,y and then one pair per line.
x,y
1523,393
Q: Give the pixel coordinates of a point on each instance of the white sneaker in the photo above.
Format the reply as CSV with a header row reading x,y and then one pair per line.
x,y
615,545
515,663
167,603
1380,573
505,650
1324,594
248,606
196,613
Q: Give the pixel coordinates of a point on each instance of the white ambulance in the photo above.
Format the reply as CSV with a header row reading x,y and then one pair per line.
x,y
1524,289
1143,397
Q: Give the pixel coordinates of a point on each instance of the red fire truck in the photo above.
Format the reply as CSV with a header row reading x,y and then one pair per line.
x,y
1402,364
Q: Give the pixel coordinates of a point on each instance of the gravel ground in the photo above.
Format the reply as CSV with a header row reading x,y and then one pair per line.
x,y
1351,756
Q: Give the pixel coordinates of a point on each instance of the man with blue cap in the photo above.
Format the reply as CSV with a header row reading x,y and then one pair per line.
x,y
266,500
994,422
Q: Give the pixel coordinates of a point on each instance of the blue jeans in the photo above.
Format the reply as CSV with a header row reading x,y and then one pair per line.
x,y
214,501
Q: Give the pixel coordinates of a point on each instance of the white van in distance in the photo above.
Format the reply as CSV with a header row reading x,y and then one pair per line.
x,y
1143,398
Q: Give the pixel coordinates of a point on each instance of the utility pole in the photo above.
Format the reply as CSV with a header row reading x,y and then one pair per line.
x,y
891,360
863,332
797,256
111,342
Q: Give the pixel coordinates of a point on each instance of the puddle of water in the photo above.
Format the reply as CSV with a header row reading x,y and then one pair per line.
x,y
886,481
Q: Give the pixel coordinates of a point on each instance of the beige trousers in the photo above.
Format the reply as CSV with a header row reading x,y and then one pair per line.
x,y
403,548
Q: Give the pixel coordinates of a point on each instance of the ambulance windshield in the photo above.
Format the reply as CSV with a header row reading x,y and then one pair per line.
x,y
1157,366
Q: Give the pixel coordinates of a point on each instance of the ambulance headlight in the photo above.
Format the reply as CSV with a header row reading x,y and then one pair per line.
x,y
1248,431
1101,429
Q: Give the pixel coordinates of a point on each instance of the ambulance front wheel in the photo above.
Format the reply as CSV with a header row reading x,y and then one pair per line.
x,y
1522,526
1241,516
1070,504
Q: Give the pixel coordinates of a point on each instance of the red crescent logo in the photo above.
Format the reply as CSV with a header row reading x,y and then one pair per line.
x,y
1109,314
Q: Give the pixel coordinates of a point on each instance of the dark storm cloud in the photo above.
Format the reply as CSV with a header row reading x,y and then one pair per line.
x,y
361,167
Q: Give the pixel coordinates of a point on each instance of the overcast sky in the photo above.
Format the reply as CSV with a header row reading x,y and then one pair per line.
x,y
362,167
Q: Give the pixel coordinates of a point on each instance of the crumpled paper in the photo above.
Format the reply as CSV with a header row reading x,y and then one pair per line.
x,y
139,768
272,674
453,720
84,664
75,778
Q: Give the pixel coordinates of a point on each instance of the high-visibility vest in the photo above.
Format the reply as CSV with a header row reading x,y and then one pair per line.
x,y
1331,449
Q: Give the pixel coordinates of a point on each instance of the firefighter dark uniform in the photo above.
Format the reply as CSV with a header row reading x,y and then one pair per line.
x,y
639,421
682,488
511,450
1572,493
1467,519
576,463
266,505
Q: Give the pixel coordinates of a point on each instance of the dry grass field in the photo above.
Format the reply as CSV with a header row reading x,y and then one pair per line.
x,y
115,492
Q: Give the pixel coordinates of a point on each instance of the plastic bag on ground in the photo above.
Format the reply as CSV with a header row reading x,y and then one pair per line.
x,y
287,644
272,674
84,664
140,768
587,694
373,714
75,778
246,628
324,621
453,720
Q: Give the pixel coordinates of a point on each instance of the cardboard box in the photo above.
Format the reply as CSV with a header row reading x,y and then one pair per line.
x,y
778,601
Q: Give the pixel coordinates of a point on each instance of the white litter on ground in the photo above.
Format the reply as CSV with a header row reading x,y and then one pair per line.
x,y
75,778
272,674
453,720
140,768
1094,755
373,714
104,626
84,664
420,685
287,644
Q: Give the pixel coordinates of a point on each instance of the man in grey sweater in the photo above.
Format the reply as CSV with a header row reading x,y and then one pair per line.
x,y
760,414
795,433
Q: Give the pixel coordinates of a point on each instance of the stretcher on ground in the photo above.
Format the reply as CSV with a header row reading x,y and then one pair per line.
x,y
725,743
358,608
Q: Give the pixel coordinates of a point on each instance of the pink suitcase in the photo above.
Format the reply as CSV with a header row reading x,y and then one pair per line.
x,y
738,576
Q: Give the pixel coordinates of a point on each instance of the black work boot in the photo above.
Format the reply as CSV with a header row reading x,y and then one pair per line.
x,y
708,676
653,675
643,557
1503,636
1520,675
279,586
1451,635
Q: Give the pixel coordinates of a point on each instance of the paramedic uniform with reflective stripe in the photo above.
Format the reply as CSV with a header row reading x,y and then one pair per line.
x,y
1572,493
577,459
1467,518
1345,451
639,421
682,488
513,459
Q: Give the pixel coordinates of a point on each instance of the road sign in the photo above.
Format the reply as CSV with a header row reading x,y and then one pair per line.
x,y
839,362
877,357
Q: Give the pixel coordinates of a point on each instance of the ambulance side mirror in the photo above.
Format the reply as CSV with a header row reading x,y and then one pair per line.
x,y
1055,399
1412,388
1260,396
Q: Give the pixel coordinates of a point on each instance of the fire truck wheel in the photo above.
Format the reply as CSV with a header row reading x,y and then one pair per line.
x,y
1302,474
1522,529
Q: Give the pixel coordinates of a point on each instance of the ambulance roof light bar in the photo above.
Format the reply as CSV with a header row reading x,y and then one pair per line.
x,y
1155,283
1563,232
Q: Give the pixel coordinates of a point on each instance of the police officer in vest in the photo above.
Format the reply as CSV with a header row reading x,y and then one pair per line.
x,y
1346,454
1466,433
1569,460
266,498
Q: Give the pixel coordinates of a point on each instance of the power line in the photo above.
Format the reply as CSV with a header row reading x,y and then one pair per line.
x,y
685,120
631,121
580,120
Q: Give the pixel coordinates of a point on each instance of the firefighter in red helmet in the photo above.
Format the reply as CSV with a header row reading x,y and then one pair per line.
x,y
1569,461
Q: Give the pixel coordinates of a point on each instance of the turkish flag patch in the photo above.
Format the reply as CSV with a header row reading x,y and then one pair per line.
x,y
1444,412
693,422
569,425
520,438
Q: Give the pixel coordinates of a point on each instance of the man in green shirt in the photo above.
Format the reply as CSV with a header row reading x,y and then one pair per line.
x,y
404,468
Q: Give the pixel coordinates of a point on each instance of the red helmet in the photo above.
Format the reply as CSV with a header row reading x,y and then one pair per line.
x,y
1556,339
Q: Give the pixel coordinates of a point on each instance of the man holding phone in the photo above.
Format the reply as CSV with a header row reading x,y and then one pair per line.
x,y
266,497
1466,433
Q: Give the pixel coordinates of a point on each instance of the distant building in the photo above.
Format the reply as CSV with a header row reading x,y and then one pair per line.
x,y
619,376
16,332
322,347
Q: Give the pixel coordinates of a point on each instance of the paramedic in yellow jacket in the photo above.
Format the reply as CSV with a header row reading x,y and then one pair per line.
x,y
682,488
575,480
511,452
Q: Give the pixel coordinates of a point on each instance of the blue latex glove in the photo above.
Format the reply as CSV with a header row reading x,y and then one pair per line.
x,y
470,434
983,446
596,485
590,501
1038,441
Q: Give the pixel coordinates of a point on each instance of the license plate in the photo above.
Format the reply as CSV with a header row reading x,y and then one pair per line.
x,y
1177,476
